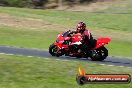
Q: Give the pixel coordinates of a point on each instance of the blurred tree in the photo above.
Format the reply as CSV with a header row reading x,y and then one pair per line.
x,y
86,1
3,2
16,3
39,2
60,3
43,3
70,2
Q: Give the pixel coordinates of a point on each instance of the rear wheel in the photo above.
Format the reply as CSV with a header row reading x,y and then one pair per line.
x,y
99,54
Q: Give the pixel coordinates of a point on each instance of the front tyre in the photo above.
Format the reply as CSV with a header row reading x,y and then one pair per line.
x,y
53,50
99,54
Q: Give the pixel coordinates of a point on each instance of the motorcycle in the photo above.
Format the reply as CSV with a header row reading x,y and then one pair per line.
x,y
72,46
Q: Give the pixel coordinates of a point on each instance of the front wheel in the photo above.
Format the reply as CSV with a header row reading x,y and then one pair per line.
x,y
54,51
99,54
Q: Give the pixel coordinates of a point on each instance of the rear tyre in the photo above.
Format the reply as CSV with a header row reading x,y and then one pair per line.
x,y
99,54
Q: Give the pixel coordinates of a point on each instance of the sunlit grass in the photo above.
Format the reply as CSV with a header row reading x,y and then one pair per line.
x,y
24,72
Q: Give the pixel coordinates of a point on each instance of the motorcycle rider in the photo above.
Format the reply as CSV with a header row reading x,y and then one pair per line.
x,y
88,41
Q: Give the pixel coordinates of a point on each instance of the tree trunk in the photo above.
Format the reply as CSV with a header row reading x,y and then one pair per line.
x,y
60,4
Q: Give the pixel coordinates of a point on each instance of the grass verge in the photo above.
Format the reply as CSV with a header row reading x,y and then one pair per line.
x,y
33,72
107,21
42,39
30,37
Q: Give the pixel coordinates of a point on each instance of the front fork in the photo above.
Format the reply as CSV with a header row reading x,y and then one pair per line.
x,y
61,48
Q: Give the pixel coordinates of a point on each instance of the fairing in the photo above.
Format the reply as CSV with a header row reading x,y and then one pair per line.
x,y
101,42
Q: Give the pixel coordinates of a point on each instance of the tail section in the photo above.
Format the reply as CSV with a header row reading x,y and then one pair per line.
x,y
101,42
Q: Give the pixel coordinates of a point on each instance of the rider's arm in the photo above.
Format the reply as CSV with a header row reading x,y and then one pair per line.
x,y
71,32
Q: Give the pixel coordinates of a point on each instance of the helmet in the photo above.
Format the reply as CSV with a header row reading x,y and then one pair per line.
x,y
81,27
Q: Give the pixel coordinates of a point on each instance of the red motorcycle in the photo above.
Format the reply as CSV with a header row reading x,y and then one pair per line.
x,y
72,46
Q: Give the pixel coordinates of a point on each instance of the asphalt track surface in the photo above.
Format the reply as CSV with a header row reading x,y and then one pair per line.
x,y
111,61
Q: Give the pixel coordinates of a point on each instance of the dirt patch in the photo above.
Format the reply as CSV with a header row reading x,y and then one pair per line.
x,y
38,24
29,23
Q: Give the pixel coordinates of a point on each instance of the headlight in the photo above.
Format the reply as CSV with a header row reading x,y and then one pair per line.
x,y
57,41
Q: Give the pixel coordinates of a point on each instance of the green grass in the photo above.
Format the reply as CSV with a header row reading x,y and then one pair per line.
x,y
105,21
26,37
24,72
120,48
42,40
